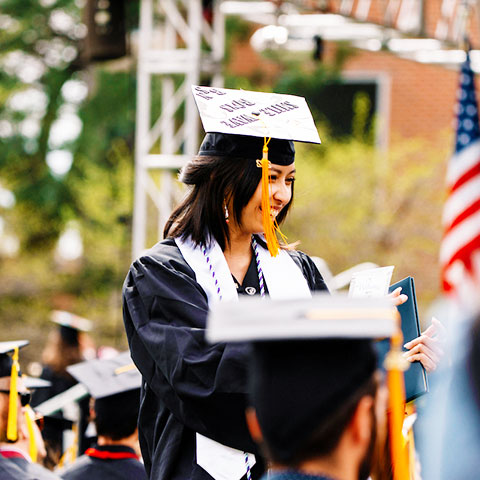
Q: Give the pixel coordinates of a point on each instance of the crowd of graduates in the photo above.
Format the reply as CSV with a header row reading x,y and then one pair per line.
x,y
78,419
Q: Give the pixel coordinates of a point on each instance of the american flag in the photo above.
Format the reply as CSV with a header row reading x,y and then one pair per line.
x,y
460,249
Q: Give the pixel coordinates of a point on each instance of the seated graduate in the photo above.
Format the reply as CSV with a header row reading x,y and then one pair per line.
x,y
114,385
20,439
316,401
65,346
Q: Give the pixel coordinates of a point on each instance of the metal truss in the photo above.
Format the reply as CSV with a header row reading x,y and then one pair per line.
x,y
176,46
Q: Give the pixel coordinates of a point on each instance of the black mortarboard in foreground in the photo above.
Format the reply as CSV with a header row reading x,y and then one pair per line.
x,y
106,377
301,372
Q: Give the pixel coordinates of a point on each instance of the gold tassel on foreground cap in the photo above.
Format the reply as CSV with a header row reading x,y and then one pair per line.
x,y
270,225
12,434
395,365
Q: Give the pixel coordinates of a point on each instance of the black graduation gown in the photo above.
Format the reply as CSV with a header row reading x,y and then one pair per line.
x,y
106,463
188,385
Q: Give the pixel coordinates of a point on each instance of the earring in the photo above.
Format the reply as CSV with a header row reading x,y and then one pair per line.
x,y
226,214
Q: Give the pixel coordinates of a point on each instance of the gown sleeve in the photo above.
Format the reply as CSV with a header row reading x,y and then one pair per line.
x,y
202,385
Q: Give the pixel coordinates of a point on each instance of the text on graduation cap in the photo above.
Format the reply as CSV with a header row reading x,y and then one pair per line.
x,y
243,119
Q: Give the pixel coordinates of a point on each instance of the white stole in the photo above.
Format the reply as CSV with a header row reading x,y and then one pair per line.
x,y
284,281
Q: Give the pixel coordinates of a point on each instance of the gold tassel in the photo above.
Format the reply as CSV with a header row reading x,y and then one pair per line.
x,y
32,444
270,226
71,452
395,364
12,434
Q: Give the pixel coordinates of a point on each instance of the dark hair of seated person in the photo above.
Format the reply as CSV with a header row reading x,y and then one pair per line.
x,y
325,437
116,415
214,180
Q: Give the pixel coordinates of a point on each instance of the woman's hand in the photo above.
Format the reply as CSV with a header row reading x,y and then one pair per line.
x,y
397,298
428,348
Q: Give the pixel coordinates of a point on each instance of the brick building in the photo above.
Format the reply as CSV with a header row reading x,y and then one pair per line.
x,y
413,99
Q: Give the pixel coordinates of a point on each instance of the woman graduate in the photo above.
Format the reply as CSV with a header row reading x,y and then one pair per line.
x,y
219,243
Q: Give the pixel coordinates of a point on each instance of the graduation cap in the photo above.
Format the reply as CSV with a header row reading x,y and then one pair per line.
x,y
70,325
107,377
10,367
258,126
308,357
32,383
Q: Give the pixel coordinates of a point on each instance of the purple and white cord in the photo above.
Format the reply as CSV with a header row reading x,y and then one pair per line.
x,y
247,465
261,282
212,271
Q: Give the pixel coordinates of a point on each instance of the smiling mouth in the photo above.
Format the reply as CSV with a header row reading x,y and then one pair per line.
x,y
273,211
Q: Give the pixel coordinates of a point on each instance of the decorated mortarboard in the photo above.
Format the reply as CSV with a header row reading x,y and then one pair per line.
x,y
107,377
70,325
255,125
307,358
255,114
10,367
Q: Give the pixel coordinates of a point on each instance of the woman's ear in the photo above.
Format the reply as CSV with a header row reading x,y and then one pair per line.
x,y
253,425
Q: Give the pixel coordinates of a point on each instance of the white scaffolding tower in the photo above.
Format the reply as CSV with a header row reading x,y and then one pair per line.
x,y
176,46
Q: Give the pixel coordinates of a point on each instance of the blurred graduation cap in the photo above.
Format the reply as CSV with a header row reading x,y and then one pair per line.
x,y
258,126
32,383
324,316
10,367
70,325
104,378
307,358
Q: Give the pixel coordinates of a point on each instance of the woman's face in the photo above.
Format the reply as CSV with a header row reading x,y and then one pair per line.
x,y
281,183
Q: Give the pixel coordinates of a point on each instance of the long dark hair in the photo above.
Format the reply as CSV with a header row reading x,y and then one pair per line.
x,y
214,180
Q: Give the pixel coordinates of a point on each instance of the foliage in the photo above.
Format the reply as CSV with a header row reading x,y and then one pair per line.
x,y
37,56
354,204
94,197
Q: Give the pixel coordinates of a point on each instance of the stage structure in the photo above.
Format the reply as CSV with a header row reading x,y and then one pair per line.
x,y
181,43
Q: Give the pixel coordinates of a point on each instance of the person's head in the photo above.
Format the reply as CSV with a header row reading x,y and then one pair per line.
x,y
224,175
64,345
114,385
11,415
115,416
315,400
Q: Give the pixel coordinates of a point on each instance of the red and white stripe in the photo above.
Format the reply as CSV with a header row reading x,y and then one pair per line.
x,y
460,250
